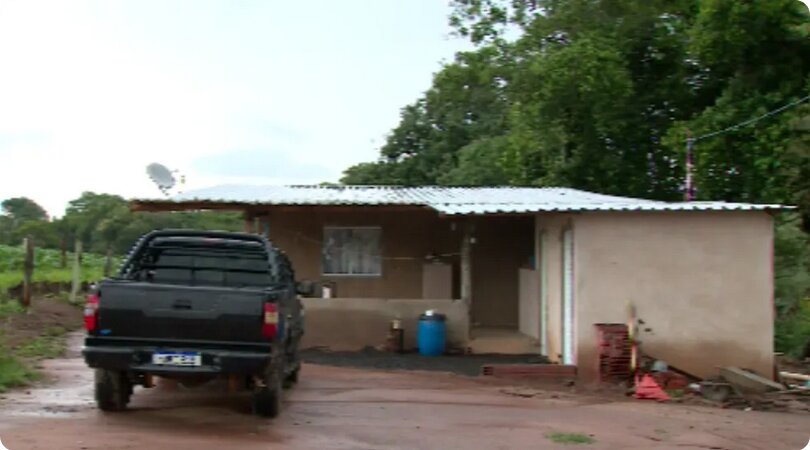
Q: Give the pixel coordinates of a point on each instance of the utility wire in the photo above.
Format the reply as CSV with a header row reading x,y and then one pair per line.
x,y
754,120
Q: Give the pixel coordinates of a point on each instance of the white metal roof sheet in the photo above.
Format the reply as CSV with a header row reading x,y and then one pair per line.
x,y
448,200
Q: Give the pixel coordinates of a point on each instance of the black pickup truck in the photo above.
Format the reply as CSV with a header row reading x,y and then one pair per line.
x,y
194,306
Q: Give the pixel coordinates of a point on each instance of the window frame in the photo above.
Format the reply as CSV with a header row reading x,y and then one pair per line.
x,y
379,273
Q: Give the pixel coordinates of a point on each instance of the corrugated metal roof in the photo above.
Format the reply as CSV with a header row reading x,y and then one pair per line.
x,y
447,200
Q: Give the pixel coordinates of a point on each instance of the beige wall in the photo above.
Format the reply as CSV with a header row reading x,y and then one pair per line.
x,y
529,303
407,237
701,281
354,323
502,245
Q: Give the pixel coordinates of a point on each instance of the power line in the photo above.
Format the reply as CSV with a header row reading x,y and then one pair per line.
x,y
690,142
754,120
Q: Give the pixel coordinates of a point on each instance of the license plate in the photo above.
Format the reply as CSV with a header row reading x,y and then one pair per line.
x,y
177,358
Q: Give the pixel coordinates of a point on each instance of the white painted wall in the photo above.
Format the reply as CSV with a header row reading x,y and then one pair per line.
x,y
529,306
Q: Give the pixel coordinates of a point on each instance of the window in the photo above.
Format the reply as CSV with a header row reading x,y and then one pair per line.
x,y
351,251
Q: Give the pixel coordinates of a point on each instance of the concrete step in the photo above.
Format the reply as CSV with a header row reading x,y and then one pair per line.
x,y
506,342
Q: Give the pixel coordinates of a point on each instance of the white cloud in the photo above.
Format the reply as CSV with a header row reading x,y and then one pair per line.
x,y
93,91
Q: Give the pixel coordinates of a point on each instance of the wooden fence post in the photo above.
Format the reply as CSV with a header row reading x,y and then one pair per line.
x,y
77,272
28,272
108,263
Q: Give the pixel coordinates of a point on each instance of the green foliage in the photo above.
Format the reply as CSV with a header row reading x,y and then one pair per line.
x,y
47,346
791,267
570,438
9,307
792,333
103,223
47,266
21,209
13,373
792,287
602,95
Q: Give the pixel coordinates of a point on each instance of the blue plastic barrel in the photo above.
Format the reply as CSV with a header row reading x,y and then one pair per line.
x,y
431,334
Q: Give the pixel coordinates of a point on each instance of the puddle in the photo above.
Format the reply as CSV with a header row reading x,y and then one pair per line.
x,y
68,389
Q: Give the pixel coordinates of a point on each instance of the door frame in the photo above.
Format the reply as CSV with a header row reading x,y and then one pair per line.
x,y
568,328
541,266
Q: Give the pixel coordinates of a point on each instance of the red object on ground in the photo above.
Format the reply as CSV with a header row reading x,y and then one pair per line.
x,y
670,380
648,389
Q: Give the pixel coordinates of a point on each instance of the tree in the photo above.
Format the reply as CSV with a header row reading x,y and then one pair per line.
x,y
22,217
600,96
84,215
22,209
465,103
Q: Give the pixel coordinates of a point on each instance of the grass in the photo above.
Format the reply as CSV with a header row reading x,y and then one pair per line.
x,y
47,266
42,347
14,363
14,373
9,280
570,438
9,307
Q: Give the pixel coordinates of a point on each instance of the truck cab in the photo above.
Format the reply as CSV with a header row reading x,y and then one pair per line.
x,y
194,306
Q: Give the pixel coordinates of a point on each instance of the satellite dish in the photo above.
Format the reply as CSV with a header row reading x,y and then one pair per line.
x,y
162,177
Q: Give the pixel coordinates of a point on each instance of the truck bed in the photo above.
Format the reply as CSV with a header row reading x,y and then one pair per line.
x,y
132,309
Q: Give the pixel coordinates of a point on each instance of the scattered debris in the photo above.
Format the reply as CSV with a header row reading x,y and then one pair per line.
x,y
660,366
748,381
716,391
794,376
670,381
648,389
535,371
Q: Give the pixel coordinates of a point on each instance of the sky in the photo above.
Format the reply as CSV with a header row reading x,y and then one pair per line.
x,y
236,91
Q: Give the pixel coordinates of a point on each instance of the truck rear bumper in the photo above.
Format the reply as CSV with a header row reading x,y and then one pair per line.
x,y
139,359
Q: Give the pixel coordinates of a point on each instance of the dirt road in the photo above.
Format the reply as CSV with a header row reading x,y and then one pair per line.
x,y
342,408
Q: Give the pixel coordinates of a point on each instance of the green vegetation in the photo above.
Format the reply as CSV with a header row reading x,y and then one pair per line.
x,y
9,307
570,438
102,222
601,96
47,346
14,373
15,363
47,267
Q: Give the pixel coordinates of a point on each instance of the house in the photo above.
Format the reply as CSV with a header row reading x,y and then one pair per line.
x,y
522,269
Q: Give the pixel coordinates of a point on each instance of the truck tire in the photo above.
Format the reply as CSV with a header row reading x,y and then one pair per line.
x,y
291,378
267,399
112,390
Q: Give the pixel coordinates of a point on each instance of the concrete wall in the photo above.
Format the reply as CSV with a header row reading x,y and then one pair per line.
x,y
408,236
502,245
529,302
354,323
701,281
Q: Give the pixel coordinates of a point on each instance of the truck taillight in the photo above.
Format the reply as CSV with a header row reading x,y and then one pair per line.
x,y
270,322
91,313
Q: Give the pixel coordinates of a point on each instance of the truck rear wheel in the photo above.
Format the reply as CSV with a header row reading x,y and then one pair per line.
x,y
292,378
267,399
112,390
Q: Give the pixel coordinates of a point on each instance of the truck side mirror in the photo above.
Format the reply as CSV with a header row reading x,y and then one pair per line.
x,y
305,288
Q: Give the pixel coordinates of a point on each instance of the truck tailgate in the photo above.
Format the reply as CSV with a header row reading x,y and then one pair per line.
x,y
147,310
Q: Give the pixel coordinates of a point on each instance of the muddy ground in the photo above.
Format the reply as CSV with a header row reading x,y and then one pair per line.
x,y
349,408
370,358
45,315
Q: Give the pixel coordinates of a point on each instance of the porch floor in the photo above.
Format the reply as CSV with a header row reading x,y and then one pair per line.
x,y
506,341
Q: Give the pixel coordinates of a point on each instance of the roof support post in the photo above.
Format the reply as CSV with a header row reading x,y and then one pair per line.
x,y
250,220
466,270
